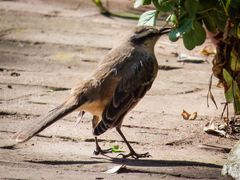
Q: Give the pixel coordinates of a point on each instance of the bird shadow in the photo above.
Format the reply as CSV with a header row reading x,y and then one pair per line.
x,y
129,162
62,162
161,163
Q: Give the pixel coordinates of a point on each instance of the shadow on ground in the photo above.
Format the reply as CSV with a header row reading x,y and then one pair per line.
x,y
132,162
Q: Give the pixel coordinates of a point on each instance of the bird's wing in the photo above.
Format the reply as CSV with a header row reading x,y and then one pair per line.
x,y
137,75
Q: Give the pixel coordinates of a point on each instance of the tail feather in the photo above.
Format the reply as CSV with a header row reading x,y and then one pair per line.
x,y
40,124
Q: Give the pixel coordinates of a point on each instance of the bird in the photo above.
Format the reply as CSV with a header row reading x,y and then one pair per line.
x,y
113,89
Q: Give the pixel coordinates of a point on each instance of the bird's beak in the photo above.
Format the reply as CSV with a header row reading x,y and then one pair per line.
x,y
163,31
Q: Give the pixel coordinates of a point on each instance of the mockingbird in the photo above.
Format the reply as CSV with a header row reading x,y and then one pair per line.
x,y
122,78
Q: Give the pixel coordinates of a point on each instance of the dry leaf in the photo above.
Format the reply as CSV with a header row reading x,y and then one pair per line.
x,y
208,50
115,169
193,116
190,59
211,128
185,115
215,147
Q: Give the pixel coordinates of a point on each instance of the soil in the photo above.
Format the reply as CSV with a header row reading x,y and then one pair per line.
x,y
47,47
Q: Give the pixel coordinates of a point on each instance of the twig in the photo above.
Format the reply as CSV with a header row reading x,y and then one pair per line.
x,y
213,147
209,94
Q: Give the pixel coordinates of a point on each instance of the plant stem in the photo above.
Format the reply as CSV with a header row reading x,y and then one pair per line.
x,y
104,11
224,7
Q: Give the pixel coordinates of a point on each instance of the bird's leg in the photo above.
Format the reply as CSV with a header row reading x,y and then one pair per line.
x,y
99,150
132,153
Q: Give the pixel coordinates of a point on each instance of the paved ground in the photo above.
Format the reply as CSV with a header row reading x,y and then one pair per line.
x,y
47,49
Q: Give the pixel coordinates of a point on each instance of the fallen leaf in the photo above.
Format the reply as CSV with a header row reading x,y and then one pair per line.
x,y
116,169
190,59
116,149
208,50
193,116
215,147
211,128
185,115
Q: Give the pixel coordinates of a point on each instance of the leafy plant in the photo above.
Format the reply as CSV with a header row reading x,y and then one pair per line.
x,y
191,20
189,17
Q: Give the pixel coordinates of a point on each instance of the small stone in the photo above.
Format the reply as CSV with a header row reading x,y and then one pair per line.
x,y
9,86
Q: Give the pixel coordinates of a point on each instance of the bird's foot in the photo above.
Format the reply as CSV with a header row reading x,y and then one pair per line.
x,y
98,151
135,155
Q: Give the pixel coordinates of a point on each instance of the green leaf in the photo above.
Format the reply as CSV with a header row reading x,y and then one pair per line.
x,y
116,149
147,2
228,95
227,4
191,6
227,77
237,107
236,95
224,7
219,19
172,18
139,3
229,80
174,35
233,95
148,18
196,36
236,90
234,62
165,5
188,40
185,25
199,33
233,92
209,23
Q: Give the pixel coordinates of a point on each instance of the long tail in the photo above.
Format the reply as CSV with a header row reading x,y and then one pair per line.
x,y
40,124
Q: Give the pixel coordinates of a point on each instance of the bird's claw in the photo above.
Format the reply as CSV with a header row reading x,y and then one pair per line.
x,y
135,155
102,152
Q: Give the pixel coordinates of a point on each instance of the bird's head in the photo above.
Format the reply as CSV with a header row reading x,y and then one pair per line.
x,y
147,35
